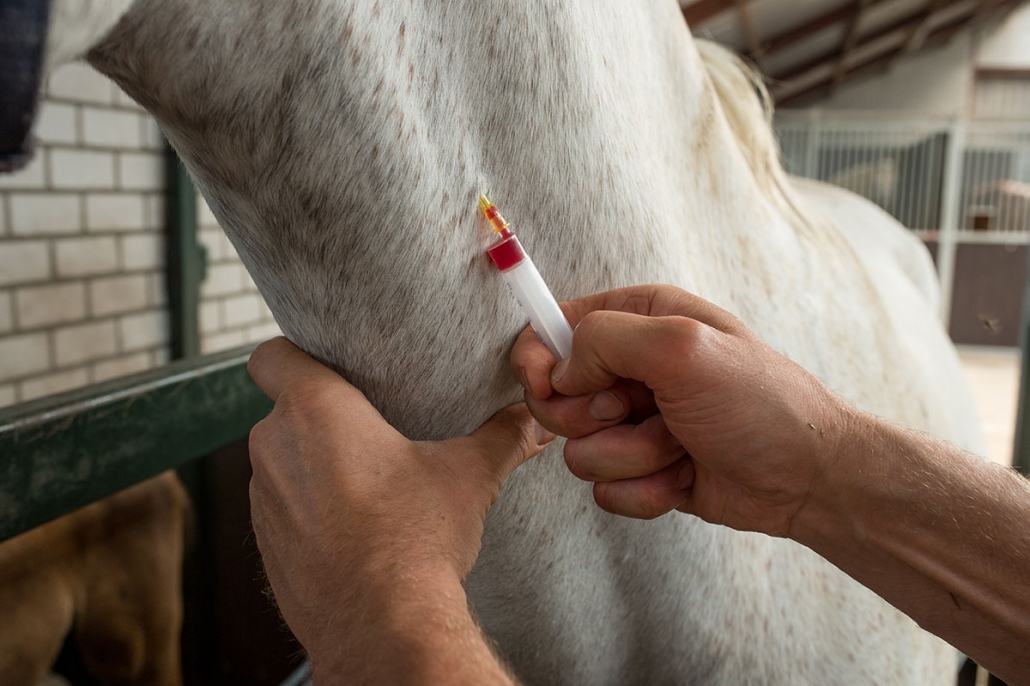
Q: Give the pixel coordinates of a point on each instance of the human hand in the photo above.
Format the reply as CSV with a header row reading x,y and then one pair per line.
x,y
349,514
670,402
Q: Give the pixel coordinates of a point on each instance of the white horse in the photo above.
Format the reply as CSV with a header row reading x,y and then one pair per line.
x,y
342,145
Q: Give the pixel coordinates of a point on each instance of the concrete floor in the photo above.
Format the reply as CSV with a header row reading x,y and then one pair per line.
x,y
993,374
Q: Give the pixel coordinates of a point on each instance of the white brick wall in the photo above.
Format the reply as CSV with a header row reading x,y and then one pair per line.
x,y
34,214
24,262
117,294
54,383
23,354
39,306
84,342
82,256
6,313
81,169
116,212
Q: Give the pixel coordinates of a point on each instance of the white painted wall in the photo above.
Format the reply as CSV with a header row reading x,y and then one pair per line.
x,y
935,82
1007,45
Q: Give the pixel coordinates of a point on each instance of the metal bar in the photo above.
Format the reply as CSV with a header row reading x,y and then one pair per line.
x,y
58,454
187,260
951,201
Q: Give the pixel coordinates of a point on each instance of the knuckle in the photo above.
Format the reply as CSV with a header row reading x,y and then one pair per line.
x,y
304,398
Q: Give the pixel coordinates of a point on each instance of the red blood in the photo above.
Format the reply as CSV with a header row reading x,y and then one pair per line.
x,y
506,253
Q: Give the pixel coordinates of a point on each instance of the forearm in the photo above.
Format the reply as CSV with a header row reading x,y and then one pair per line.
x,y
938,533
408,630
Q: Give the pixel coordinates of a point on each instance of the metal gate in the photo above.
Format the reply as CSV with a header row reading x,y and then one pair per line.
x,y
951,182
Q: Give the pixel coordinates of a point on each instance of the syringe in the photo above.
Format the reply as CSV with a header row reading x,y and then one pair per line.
x,y
528,286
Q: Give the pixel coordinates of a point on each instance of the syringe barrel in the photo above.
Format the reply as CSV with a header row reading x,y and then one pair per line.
x,y
540,306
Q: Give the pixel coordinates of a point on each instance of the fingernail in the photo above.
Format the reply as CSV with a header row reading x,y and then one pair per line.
x,y
559,370
605,407
543,436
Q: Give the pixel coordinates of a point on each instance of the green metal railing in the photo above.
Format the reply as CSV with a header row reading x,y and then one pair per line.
x,y
66,451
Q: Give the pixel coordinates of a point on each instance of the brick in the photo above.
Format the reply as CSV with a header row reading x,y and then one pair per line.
x,y
222,341
143,251
157,290
56,123
83,256
82,83
7,395
142,171
81,169
32,177
51,384
210,316
6,312
266,312
23,355
162,355
211,239
242,309
262,332
153,139
111,128
51,304
115,212
144,330
122,366
205,217
123,100
84,342
118,294
222,279
228,249
35,214
23,262
155,211
246,281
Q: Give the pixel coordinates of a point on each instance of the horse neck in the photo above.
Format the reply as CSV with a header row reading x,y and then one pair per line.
x,y
342,147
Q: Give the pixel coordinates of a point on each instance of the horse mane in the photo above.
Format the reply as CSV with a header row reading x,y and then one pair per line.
x,y
748,110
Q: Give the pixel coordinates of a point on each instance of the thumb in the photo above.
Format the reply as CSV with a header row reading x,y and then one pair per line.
x,y
508,439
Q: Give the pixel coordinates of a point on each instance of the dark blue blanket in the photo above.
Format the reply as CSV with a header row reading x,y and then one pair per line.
x,y
23,25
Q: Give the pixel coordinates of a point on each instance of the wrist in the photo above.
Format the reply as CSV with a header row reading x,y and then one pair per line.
x,y
390,626
837,472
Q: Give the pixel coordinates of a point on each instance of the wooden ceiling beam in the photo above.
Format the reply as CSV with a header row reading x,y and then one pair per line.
x,y
898,30
918,34
748,26
703,10
810,28
938,36
850,39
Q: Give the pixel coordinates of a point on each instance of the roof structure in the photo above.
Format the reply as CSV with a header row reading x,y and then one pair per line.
x,y
808,48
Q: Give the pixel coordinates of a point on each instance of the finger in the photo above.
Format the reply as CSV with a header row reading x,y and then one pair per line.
x,y
581,415
505,441
626,451
653,300
609,345
277,362
646,497
531,363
